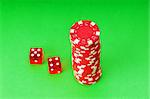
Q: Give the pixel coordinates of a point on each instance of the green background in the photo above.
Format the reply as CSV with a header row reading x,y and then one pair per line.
x,y
124,35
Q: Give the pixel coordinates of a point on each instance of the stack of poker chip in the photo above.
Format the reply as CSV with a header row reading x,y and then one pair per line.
x,y
85,41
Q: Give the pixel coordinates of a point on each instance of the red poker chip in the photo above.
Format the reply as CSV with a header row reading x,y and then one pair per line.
x,y
87,52
86,55
84,33
78,61
83,48
98,71
89,80
87,70
85,60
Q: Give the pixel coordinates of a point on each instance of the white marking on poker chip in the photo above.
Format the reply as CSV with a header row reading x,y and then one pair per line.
x,y
58,71
97,78
77,60
81,55
35,61
97,42
93,59
93,74
82,66
80,71
77,27
32,49
90,63
94,69
100,74
90,82
97,33
75,55
80,22
78,67
35,52
99,71
89,75
90,56
57,63
38,49
51,65
90,42
56,58
72,30
82,47
87,58
77,52
90,79
78,49
92,48
32,54
96,46
50,59
98,51
92,23
93,66
82,51
76,74
96,62
86,77
94,82
76,41
84,81
52,69
94,53
38,55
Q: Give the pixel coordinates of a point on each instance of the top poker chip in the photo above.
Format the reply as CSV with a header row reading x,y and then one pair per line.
x,y
84,33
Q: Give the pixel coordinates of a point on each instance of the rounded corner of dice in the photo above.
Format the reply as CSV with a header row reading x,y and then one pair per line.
x,y
36,56
85,41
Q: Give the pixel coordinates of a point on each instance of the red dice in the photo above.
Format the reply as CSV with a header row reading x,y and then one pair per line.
x,y
54,65
36,56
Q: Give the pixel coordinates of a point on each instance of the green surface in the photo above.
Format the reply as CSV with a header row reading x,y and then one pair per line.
x,y
46,24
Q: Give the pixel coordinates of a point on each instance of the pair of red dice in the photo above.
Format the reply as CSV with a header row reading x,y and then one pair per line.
x,y
37,56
